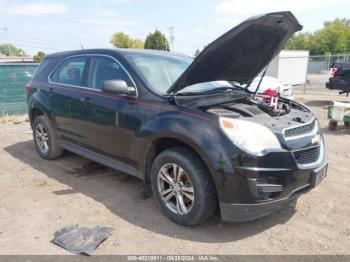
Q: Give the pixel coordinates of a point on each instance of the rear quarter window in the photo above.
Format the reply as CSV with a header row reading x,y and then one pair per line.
x,y
44,69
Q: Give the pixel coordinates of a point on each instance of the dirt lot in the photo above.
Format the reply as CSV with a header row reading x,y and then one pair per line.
x,y
39,197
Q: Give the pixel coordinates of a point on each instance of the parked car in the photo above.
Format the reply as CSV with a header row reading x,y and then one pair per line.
x,y
339,77
271,86
200,142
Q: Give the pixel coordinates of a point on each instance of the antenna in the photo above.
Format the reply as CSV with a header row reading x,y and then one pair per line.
x,y
81,43
171,30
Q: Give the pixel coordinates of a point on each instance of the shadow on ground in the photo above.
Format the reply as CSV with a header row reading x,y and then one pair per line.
x,y
130,200
319,103
341,130
323,103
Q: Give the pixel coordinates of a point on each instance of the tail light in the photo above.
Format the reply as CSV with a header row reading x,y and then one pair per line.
x,y
334,72
270,92
27,89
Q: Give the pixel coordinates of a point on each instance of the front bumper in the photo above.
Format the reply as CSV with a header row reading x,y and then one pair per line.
x,y
239,212
232,212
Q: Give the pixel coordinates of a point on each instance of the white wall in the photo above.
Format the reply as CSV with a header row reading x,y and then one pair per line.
x,y
290,66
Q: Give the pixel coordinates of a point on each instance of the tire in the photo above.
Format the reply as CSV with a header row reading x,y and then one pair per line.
x,y
332,125
194,176
347,124
42,130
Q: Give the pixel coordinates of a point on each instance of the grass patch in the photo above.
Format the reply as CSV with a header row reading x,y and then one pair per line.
x,y
13,118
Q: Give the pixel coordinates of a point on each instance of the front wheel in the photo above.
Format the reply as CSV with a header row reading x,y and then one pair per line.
x,y
183,187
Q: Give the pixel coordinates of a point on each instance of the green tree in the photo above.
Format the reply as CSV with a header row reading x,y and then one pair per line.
x,y
9,49
121,40
157,41
333,38
138,43
302,41
39,57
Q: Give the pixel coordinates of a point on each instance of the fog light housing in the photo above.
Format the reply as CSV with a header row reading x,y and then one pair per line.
x,y
261,189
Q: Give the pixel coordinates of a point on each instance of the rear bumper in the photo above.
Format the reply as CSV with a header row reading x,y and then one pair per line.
x,y
338,84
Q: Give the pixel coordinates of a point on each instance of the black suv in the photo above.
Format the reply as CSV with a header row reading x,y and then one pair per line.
x,y
339,77
189,128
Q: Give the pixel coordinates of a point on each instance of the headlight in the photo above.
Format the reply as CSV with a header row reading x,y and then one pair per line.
x,y
250,137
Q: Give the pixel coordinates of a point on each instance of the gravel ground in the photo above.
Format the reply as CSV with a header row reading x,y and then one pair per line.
x,y
39,197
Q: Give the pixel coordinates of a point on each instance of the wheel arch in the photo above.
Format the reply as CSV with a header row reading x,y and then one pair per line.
x,y
34,113
159,144
38,104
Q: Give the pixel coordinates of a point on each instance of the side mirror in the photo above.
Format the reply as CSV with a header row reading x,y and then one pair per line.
x,y
118,87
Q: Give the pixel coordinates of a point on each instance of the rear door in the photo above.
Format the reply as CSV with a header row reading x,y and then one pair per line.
x,y
65,94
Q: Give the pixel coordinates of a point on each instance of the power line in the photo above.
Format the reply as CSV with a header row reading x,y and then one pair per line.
x,y
41,39
37,45
40,47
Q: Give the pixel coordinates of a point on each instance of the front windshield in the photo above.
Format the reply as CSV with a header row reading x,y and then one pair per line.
x,y
160,72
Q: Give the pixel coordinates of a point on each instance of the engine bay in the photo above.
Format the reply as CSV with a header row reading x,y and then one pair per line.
x,y
272,111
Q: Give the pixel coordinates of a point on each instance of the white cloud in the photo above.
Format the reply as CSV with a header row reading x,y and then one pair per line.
x,y
34,9
258,6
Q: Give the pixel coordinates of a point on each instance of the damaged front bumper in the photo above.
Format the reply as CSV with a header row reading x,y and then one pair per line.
x,y
240,212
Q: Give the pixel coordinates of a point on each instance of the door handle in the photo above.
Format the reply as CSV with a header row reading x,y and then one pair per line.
x,y
50,89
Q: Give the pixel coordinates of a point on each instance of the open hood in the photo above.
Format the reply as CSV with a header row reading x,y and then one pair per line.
x,y
241,53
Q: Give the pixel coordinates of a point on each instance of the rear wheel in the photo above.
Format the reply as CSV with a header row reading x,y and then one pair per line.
x,y
347,124
332,125
183,187
44,139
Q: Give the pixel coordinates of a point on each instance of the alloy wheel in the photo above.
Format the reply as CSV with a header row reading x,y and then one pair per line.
x,y
42,138
175,188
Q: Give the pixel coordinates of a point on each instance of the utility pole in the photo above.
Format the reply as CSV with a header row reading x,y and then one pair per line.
x,y
8,44
171,30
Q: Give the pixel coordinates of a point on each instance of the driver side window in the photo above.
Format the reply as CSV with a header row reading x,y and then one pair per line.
x,y
105,68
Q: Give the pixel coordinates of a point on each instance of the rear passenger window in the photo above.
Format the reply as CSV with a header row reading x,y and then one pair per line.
x,y
70,72
105,68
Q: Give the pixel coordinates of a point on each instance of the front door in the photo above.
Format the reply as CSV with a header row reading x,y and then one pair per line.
x,y
110,122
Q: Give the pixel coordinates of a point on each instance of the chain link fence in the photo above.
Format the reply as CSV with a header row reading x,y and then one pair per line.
x,y
14,76
318,72
321,64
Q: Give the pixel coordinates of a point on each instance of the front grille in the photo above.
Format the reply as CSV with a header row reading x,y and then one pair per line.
x,y
299,130
307,156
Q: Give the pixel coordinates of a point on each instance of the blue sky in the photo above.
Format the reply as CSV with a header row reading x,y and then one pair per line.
x,y
53,26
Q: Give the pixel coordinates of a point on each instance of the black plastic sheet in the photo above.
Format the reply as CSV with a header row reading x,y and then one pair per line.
x,y
81,240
